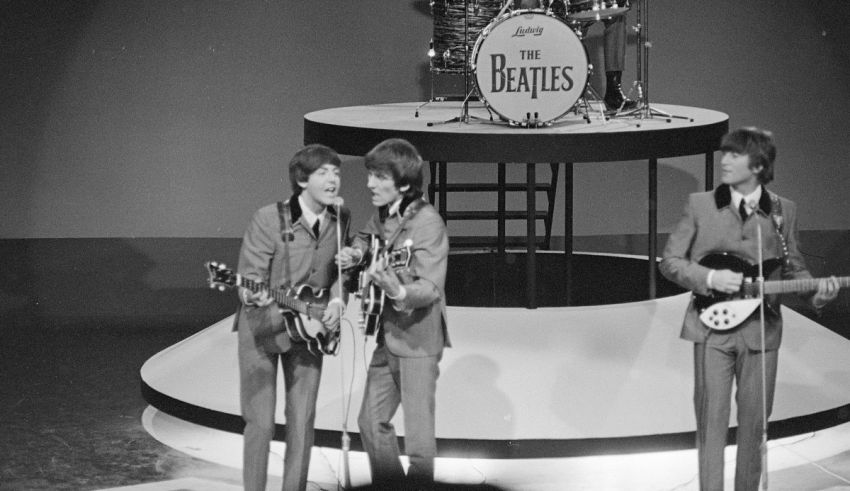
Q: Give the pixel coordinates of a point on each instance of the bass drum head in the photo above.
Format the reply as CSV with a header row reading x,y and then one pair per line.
x,y
530,67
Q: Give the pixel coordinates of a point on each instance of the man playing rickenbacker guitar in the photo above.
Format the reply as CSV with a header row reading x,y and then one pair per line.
x,y
411,331
287,245
727,221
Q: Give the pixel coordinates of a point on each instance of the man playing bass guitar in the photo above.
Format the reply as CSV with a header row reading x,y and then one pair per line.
x,y
727,220
411,330
290,244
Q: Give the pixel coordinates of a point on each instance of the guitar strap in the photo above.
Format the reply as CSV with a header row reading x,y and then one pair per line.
x,y
412,209
778,222
287,235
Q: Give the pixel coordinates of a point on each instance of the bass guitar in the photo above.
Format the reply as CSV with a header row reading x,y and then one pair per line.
x,y
372,297
724,311
310,305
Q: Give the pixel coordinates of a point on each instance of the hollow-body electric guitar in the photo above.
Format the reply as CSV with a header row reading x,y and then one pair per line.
x,y
309,304
723,311
372,297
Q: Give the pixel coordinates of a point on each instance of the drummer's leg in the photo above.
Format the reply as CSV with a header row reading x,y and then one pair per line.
x,y
615,44
614,50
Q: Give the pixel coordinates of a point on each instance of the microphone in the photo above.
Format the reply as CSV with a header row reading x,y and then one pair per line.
x,y
338,202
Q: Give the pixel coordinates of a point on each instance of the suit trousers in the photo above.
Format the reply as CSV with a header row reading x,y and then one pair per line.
x,y
719,361
258,393
614,44
411,382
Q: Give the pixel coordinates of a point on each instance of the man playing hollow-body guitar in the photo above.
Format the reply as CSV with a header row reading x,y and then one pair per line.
x,y
411,331
727,220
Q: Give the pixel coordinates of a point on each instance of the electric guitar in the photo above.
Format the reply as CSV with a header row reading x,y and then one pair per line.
x,y
310,305
372,297
724,311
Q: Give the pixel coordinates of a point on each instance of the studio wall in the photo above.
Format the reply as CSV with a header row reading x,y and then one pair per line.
x,y
176,118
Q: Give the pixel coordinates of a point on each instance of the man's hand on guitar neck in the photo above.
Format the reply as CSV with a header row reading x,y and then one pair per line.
x,y
826,292
251,299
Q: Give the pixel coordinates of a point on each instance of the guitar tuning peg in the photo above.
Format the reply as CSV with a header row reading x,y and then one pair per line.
x,y
221,288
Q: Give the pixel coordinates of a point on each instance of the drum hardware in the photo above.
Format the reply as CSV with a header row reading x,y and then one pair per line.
x,y
588,11
644,109
464,116
457,24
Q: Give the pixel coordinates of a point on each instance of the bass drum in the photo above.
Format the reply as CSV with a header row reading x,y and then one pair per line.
x,y
530,67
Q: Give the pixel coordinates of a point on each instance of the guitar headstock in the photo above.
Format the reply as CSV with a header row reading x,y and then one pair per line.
x,y
220,277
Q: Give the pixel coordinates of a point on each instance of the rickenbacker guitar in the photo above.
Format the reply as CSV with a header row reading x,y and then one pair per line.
x,y
724,311
372,297
309,304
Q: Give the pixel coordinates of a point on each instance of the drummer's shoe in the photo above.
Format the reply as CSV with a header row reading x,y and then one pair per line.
x,y
614,98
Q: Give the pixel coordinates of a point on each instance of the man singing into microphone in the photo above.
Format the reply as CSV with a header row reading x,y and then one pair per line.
x,y
727,220
288,244
412,330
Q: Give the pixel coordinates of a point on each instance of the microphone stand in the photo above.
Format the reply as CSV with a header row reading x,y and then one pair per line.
x,y
345,443
764,424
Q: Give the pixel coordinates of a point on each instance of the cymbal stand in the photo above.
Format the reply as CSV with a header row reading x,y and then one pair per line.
x,y
589,94
644,109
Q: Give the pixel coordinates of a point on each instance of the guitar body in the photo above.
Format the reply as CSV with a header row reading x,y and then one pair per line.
x,y
303,300
372,298
308,325
738,265
724,311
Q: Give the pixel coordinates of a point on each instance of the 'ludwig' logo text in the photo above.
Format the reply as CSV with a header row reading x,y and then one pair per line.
x,y
534,31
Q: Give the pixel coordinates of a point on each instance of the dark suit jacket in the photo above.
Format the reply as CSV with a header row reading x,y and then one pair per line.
x,y
416,326
711,224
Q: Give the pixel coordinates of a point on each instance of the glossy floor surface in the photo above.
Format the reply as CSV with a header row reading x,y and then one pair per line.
x,y
71,414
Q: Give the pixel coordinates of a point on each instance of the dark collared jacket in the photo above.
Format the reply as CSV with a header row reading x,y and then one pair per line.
x,y
711,224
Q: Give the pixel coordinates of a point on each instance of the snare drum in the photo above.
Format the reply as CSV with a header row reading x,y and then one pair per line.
x,y
593,10
530,67
450,30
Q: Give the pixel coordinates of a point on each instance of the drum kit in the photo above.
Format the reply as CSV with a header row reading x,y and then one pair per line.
x,y
529,65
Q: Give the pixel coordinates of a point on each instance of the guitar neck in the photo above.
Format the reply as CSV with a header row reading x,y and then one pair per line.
x,y
278,295
793,286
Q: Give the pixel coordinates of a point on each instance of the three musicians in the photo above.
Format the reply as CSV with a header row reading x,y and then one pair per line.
x,y
297,242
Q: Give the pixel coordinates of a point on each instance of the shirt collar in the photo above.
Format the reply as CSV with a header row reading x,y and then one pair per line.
x,y
308,214
754,197
395,208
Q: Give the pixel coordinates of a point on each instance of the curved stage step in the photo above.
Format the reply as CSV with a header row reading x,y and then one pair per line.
x,y
547,383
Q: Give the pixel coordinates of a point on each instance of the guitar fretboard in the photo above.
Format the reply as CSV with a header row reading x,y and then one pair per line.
x,y
791,286
281,297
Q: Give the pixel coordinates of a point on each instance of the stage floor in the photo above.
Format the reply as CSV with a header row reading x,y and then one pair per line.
x,y
520,388
810,462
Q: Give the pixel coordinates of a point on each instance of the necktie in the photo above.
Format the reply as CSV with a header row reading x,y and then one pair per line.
x,y
742,209
316,227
